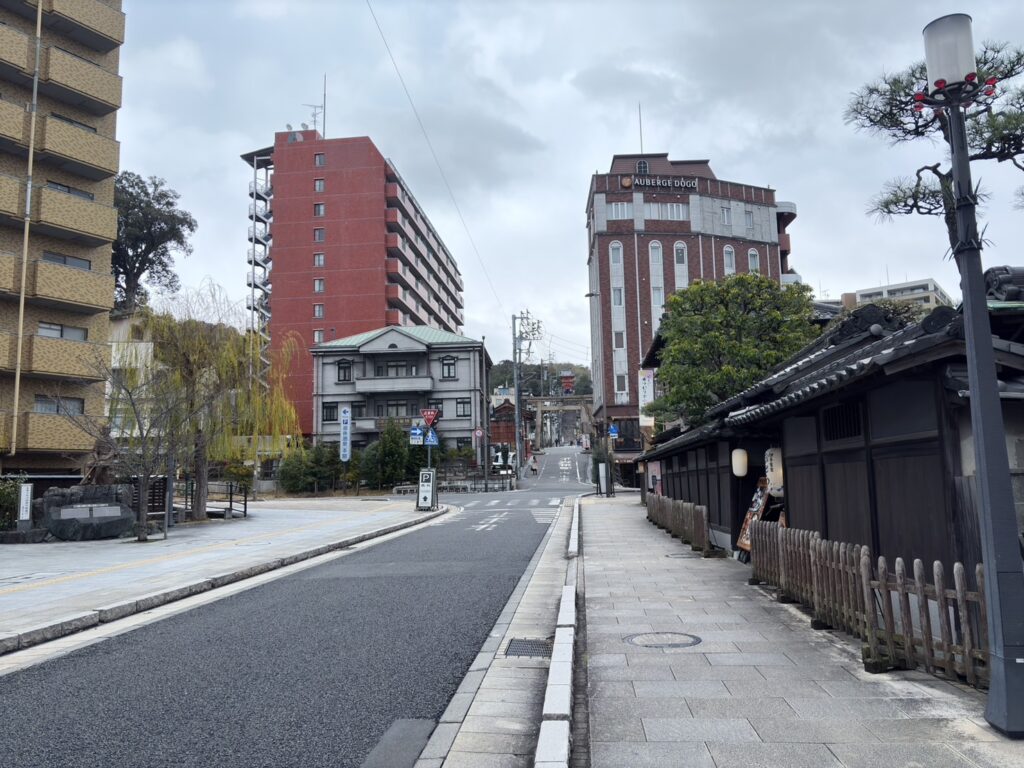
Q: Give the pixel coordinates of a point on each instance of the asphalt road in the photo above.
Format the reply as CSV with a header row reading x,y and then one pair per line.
x,y
308,670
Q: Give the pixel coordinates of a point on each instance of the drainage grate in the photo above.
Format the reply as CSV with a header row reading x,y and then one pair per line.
x,y
663,640
521,646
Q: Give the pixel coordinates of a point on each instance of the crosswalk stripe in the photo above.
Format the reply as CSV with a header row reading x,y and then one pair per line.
x,y
492,503
534,502
554,502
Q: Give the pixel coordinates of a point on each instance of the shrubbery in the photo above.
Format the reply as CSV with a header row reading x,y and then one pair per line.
x,y
10,492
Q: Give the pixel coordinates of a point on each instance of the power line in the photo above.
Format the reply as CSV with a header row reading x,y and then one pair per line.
x,y
433,154
567,342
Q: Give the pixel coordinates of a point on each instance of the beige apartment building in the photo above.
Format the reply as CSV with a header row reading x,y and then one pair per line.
x,y
68,288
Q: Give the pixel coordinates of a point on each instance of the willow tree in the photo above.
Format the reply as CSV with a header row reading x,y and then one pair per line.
x,y
995,131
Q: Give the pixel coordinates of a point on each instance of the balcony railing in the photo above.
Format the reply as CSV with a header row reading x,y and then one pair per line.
x,y
70,288
93,23
14,50
12,122
78,150
51,432
12,197
77,81
66,359
71,217
387,384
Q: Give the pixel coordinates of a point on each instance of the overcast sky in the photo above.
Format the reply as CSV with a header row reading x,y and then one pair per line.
x,y
524,101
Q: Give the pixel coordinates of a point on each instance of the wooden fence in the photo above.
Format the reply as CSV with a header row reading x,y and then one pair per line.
x,y
904,620
687,521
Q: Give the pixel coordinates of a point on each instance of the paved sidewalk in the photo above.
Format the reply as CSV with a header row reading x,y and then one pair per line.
x,y
45,585
761,688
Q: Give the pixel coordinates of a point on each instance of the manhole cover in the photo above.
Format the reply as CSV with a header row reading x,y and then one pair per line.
x,y
519,646
663,640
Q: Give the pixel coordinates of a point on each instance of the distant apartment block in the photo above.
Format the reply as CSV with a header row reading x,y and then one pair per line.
x,y
339,246
926,292
68,288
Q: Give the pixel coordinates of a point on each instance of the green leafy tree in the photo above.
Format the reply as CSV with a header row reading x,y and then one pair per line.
x,y
995,131
721,337
293,473
394,451
151,229
369,464
325,466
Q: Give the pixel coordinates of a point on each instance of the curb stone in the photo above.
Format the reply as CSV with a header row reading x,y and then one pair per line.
x,y
87,619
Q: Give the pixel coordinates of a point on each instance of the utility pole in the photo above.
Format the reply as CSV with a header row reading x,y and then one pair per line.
x,y
524,328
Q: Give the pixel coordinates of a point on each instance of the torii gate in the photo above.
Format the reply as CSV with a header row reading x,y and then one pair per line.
x,y
582,404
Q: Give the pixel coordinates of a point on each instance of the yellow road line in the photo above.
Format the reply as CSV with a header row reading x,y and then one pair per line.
x,y
170,556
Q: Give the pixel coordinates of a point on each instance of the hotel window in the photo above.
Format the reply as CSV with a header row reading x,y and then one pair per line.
x,y
657,302
318,310
70,190
753,262
73,406
58,331
318,235
318,336
730,260
344,370
318,185
620,382
330,412
359,410
318,209
437,405
318,259
655,251
462,408
642,168
667,211
727,215
397,408
619,339
615,252
319,160
620,211
448,367
749,216
67,261
682,271
318,285
616,297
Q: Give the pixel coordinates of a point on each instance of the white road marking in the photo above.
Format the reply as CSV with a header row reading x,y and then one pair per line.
x,y
534,502
490,523
492,503
471,503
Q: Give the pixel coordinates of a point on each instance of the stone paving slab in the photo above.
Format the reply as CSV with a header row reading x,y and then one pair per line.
x,y
49,590
761,689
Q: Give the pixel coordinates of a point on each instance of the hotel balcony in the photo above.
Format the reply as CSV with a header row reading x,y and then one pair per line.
x,y
66,359
399,273
393,193
392,317
71,217
92,23
13,125
14,59
12,198
77,290
386,385
78,150
49,432
74,80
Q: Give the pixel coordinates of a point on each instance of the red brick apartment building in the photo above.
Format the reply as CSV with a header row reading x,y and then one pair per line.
x,y
339,246
654,226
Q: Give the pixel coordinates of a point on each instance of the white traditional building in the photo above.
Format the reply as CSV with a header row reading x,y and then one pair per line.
x,y
394,373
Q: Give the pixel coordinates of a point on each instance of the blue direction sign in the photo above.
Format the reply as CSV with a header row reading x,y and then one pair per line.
x,y
345,449
416,436
613,431
431,439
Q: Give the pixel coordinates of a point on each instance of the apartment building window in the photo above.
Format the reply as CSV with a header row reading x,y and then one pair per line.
x,y
319,160
642,167
318,285
616,297
318,259
330,412
70,190
76,123
318,185
318,209
462,407
667,211
318,310
448,367
359,410
727,215
437,405
318,235
71,406
397,408
620,382
58,331
67,261
753,262
729,255
619,339
749,216
318,336
620,211
344,370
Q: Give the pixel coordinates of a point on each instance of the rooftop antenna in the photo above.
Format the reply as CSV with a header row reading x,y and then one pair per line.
x,y
317,111
288,126
323,122
640,114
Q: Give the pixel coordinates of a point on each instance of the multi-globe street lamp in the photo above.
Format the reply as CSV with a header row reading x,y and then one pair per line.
x,y
954,84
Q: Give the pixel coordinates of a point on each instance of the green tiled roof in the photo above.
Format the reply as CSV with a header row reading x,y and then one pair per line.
x,y
423,333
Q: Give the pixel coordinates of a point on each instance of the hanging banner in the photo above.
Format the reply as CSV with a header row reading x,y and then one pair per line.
x,y
345,419
645,394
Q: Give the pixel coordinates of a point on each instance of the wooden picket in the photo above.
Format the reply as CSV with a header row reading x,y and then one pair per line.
x,y
682,519
837,582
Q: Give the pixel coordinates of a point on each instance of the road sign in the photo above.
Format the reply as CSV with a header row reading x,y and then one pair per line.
x,y
416,436
346,433
478,432
431,439
426,497
429,416
613,431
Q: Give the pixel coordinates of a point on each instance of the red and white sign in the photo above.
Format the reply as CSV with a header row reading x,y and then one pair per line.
x,y
429,416
478,432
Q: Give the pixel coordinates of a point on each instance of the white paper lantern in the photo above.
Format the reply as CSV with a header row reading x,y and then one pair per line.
x,y
739,462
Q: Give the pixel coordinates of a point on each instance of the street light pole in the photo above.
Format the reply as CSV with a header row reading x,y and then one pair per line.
x,y
953,83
